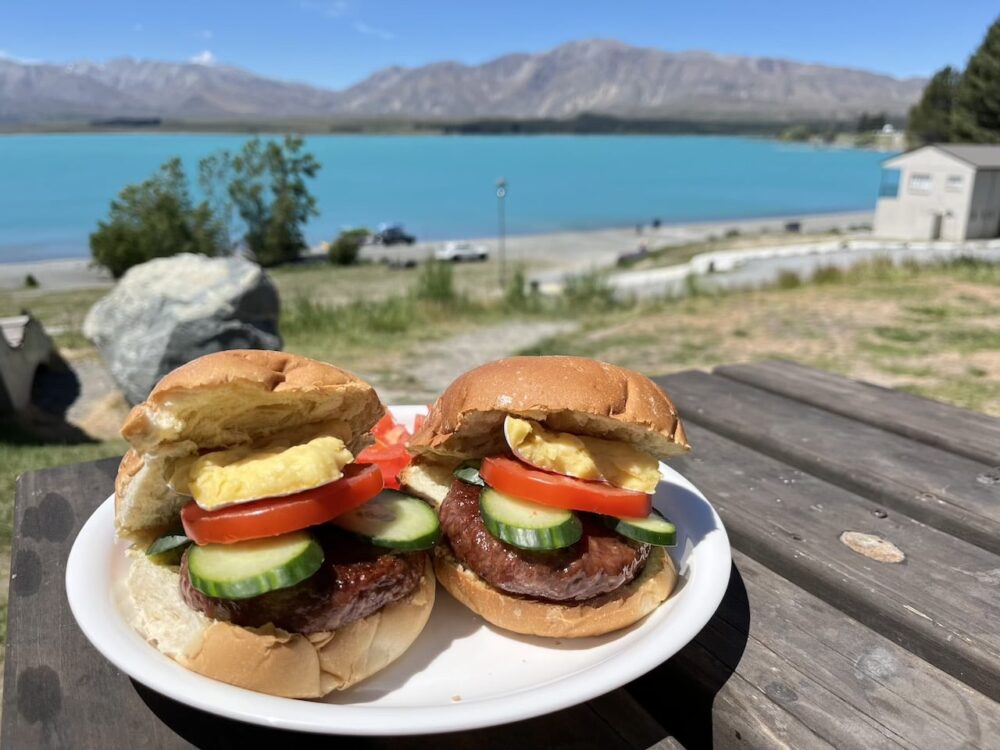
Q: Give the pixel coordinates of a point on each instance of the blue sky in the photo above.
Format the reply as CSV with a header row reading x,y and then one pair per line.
x,y
338,42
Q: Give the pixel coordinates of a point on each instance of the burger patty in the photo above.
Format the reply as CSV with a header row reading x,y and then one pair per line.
x,y
600,562
355,581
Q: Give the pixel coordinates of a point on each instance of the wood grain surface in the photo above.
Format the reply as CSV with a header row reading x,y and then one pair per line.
x,y
863,609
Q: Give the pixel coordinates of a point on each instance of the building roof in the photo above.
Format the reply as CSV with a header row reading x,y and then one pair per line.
x,y
978,155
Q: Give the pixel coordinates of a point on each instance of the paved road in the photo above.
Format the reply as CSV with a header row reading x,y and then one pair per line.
x,y
577,252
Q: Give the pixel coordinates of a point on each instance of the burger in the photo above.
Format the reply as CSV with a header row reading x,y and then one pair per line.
x,y
264,555
543,471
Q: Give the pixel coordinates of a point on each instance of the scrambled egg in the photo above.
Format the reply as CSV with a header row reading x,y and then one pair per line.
x,y
246,473
618,464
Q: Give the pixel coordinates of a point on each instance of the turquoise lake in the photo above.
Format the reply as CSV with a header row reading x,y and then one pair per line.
x,y
54,188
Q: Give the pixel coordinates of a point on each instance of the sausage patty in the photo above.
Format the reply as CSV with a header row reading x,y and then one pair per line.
x,y
355,581
600,562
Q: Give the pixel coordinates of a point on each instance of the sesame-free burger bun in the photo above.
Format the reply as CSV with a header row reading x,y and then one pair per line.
x,y
626,606
268,659
235,397
569,394
224,400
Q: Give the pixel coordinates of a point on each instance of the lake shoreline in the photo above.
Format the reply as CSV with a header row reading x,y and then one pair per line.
x,y
570,250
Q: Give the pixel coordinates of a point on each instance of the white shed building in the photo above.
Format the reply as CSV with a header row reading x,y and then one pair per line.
x,y
941,191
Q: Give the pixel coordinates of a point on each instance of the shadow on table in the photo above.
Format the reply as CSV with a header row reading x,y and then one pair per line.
x,y
571,728
680,693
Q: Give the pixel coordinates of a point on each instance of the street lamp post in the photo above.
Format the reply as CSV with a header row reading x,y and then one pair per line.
x,y
502,229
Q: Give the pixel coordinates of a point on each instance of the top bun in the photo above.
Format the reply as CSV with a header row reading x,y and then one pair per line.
x,y
238,397
224,400
569,394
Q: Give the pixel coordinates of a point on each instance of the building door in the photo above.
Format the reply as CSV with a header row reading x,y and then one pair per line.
x,y
936,226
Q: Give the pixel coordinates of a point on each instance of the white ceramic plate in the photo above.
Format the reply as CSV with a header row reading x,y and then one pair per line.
x,y
460,674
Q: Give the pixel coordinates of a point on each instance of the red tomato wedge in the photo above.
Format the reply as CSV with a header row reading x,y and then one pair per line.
x,y
390,459
559,491
389,452
280,515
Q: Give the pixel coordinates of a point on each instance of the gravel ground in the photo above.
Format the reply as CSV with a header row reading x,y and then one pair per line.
x,y
422,375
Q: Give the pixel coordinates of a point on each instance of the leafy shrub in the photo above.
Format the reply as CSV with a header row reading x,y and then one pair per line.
x,y
344,250
788,280
30,282
154,219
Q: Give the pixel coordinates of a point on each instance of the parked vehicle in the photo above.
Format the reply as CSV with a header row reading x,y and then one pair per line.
x,y
392,234
459,251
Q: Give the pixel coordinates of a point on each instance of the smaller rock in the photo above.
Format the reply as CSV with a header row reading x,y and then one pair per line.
x,y
169,311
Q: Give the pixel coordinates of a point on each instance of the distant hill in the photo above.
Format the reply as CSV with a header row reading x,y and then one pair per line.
x,y
595,76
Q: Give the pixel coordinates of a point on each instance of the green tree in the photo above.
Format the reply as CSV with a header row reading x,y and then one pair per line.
x,y
977,101
930,118
344,250
267,187
797,133
867,122
153,219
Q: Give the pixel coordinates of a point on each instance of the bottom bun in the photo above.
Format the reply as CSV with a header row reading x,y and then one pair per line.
x,y
571,620
268,659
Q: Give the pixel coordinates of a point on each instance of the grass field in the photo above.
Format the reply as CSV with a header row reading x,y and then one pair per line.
x,y
933,331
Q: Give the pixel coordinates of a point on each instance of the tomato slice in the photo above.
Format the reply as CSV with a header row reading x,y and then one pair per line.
x,y
391,459
280,515
559,491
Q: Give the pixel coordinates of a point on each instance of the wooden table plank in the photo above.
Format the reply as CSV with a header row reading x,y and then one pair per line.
x,y
941,603
60,693
927,483
967,433
810,676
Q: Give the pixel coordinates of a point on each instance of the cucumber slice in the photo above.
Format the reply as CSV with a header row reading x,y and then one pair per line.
x,y
528,525
392,519
167,548
468,472
252,568
653,529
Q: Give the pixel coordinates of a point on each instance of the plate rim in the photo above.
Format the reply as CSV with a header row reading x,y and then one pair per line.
x,y
339,719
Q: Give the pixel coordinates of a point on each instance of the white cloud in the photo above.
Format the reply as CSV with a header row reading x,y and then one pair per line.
x,y
364,28
5,55
342,9
330,8
205,57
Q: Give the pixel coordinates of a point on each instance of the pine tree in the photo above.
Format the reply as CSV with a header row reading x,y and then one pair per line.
x,y
930,119
977,101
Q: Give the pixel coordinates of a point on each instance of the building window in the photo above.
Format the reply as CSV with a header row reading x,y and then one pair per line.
x,y
889,186
954,183
920,183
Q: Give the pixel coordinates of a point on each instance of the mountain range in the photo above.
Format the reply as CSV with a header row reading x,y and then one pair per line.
x,y
592,76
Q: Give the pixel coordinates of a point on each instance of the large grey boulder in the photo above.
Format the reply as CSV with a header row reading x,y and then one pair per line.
x,y
169,311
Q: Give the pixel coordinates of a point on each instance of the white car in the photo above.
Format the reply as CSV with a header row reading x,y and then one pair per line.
x,y
459,251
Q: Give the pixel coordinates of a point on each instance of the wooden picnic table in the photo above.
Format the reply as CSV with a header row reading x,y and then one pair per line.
x,y
863,609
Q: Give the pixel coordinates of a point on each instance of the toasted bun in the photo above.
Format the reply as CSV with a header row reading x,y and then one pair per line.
x,y
235,397
570,394
268,659
428,479
227,399
534,617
